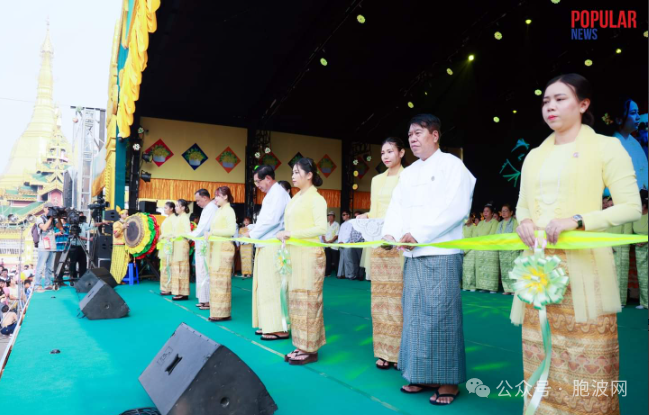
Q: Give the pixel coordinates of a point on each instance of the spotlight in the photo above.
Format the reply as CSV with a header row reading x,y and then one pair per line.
x,y
355,162
136,147
355,186
411,105
147,157
588,62
355,173
323,62
368,158
360,18
12,218
450,71
496,120
471,58
618,50
538,92
528,21
146,176
498,35
514,112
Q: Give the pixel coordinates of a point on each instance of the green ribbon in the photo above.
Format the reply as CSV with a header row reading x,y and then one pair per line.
x,y
500,242
539,281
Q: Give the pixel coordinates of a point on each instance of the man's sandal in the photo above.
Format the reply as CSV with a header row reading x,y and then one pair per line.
x,y
417,385
180,297
383,364
443,395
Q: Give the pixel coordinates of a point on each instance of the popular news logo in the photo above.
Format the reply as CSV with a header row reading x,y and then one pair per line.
x,y
585,23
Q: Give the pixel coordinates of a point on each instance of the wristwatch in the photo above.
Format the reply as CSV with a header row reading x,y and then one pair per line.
x,y
579,220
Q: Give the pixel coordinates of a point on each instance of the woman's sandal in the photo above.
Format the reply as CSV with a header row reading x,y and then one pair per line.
x,y
165,293
199,304
443,395
384,365
259,332
215,319
290,355
273,337
180,297
311,358
204,307
417,385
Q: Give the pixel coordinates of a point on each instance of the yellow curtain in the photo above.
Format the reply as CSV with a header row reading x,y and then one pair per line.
x,y
331,196
98,184
362,200
168,189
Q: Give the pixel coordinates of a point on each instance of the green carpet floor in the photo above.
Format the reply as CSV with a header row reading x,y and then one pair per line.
x,y
100,361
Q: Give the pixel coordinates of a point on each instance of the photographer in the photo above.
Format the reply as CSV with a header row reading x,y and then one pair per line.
x,y
77,254
46,254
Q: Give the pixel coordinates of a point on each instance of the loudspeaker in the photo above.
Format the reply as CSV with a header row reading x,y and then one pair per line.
x,y
90,278
104,246
147,207
102,302
192,374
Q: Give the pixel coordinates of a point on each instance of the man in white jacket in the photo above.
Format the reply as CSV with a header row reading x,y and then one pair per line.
x,y
203,199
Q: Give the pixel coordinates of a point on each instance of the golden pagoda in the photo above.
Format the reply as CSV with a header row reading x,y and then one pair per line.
x,y
37,164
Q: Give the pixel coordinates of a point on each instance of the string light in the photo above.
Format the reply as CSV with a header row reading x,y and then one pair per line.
x,y
618,50
471,58
411,105
556,1
515,112
588,62
498,35
528,21
355,173
449,71
360,18
355,186
496,120
538,92
323,62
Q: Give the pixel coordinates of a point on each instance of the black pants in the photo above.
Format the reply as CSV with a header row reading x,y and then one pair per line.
x,y
77,256
332,258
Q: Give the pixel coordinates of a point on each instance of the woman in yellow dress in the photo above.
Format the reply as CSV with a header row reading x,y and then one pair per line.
x,y
166,253
306,218
223,224
507,258
386,266
119,258
180,267
246,250
487,267
561,190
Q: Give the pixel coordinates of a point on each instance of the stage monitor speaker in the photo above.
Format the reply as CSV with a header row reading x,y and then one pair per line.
x,y
102,302
192,374
90,278
147,207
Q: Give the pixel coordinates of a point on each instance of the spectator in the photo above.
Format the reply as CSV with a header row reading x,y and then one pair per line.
x,y
9,321
45,267
28,288
333,228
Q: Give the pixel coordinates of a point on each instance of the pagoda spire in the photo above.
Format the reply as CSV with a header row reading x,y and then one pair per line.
x,y
30,148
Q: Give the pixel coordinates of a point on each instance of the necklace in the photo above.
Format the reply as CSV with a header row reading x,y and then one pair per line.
x,y
556,193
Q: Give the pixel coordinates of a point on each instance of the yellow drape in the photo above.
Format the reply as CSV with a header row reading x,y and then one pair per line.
x,y
168,189
362,200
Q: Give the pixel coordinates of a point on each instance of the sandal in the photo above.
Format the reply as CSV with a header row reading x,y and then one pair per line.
x,y
273,336
291,355
443,395
384,364
180,297
421,388
310,358
214,319
259,332
203,307
165,293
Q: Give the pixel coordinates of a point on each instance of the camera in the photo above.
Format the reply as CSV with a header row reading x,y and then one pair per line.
x,y
99,204
56,212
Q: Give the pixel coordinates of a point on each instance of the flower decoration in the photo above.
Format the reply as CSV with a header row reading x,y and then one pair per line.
x,y
228,159
160,152
257,155
326,165
194,156
267,150
140,130
355,162
539,280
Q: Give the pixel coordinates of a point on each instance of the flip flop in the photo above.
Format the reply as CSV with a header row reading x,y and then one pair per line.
x,y
423,388
444,395
275,337
179,297
312,357
259,332
203,308
386,367
287,358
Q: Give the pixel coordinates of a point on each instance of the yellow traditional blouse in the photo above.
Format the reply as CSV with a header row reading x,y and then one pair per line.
x,y
381,193
640,226
485,228
305,216
224,222
467,231
559,181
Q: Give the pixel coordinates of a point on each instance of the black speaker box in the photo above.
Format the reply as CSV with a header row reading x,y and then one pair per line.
x,y
147,207
102,302
104,246
88,280
194,375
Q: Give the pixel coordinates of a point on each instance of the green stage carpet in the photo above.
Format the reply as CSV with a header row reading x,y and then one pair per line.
x,y
100,361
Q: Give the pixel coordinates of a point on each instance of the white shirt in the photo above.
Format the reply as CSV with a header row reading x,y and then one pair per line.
x,y
205,221
431,202
271,217
345,232
638,157
332,230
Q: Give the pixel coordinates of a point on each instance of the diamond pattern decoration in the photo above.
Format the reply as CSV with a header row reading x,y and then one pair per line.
x,y
326,165
228,159
270,159
194,156
295,159
160,152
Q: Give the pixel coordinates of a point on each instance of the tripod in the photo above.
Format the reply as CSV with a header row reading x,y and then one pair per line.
x,y
64,257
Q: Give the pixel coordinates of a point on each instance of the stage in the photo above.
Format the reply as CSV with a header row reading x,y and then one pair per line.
x,y
97,369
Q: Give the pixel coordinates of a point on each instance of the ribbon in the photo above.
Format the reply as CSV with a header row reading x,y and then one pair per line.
x,y
539,281
500,242
168,251
283,265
